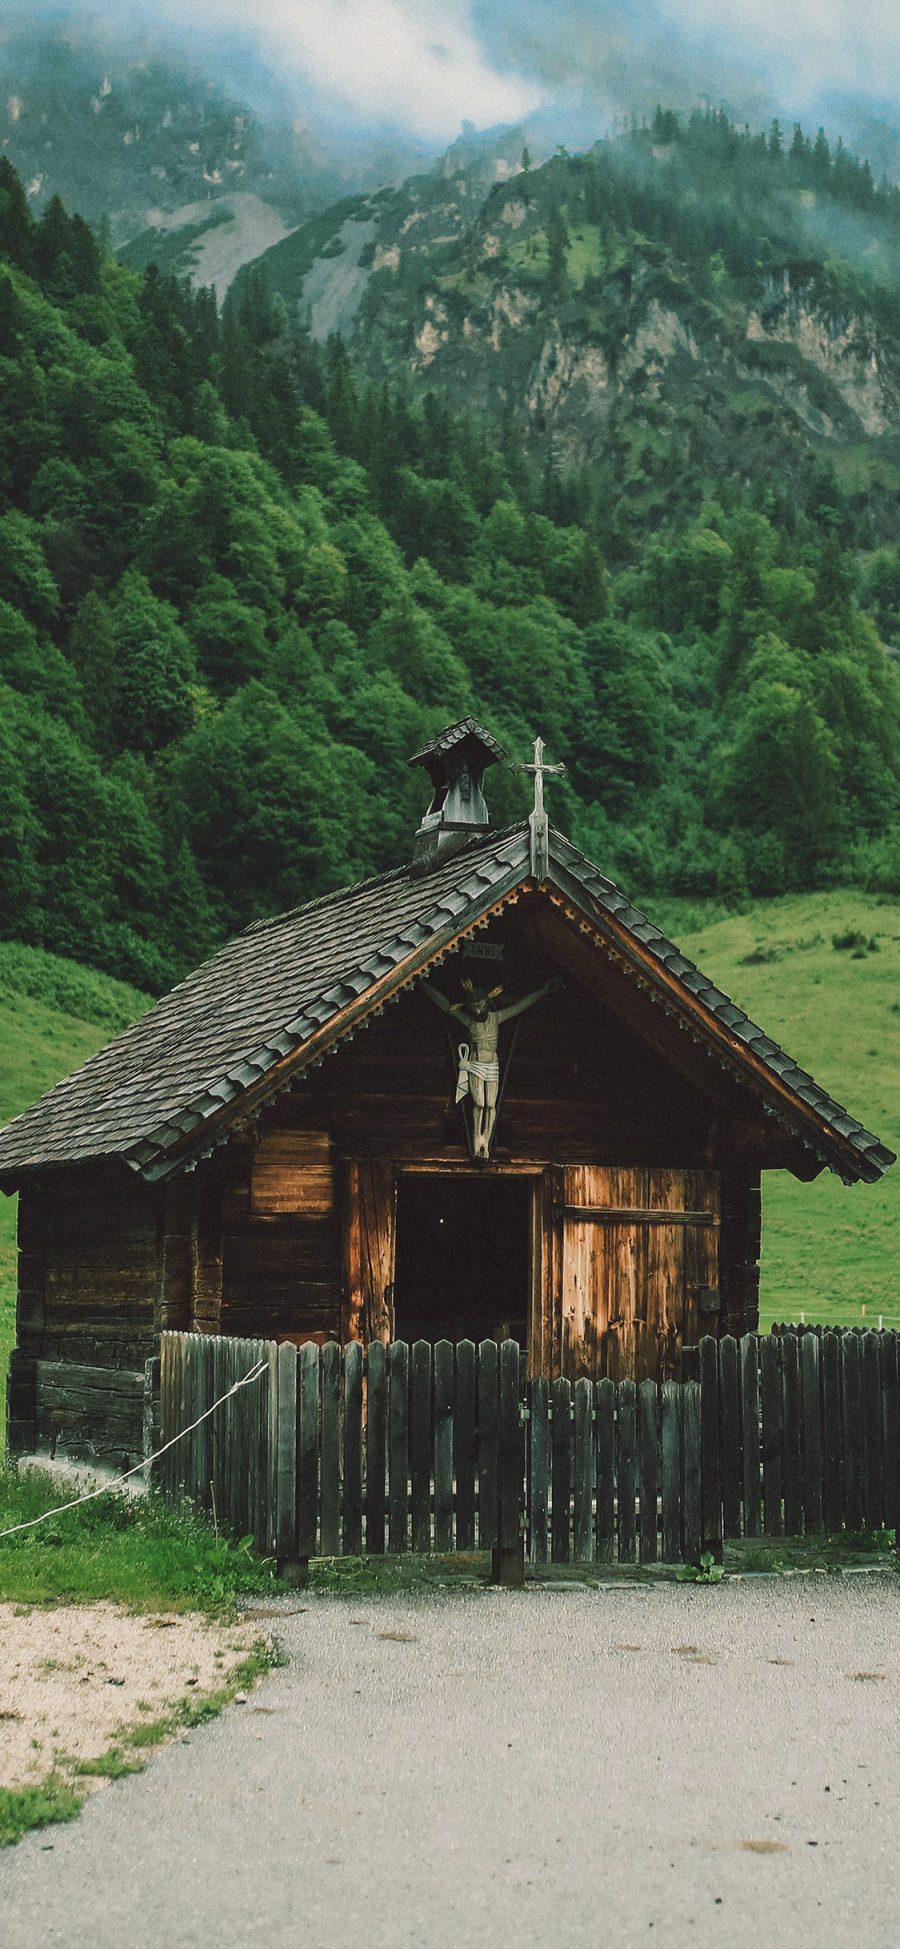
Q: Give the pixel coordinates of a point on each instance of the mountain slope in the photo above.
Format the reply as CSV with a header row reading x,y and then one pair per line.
x,y
670,314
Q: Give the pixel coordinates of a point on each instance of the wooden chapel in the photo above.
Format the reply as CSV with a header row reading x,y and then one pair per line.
x,y
479,1095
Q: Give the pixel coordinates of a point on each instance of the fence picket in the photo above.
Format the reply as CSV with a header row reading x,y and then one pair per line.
x,y
873,1450
286,1454
420,1445
690,1461
308,1440
811,1413
853,1431
562,1470
398,1446
605,1406
730,1413
671,1473
648,1447
376,1436
792,1482
890,1405
512,1450
583,1513
330,1489
625,1472
711,1464
772,1424
832,1433
749,1356
464,1445
353,1406
443,1446
538,1468
488,1452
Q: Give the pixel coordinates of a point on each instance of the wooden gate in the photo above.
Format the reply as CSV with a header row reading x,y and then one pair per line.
x,y
639,1268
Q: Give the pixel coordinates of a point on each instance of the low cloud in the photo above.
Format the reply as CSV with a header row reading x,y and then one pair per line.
x,y
414,63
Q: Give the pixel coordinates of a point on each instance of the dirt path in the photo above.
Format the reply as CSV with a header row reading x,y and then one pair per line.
x,y
673,1765
72,1678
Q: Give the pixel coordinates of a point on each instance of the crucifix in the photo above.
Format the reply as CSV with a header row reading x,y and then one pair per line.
x,y
538,822
482,1015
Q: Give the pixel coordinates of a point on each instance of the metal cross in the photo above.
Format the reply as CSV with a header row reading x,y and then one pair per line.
x,y
539,771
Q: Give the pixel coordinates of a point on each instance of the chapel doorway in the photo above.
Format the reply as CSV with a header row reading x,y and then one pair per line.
x,y
463,1257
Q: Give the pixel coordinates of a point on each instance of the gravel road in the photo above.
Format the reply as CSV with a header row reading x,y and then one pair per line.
x,y
670,1765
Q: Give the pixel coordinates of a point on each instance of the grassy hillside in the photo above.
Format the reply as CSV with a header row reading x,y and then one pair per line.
x,y
827,1251
53,1015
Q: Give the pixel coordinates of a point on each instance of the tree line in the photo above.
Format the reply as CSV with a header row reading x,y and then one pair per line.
x,y
238,587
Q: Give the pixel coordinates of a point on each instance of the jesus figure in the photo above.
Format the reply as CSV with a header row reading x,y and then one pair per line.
x,y
479,1065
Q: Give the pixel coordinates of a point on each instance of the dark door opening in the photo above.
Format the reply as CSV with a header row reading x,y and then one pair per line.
x,y
463,1258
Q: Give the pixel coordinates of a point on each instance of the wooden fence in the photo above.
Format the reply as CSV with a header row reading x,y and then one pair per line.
x,y
329,1452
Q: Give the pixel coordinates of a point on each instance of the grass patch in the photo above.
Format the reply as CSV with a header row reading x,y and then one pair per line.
x,y
30,1807
148,1733
828,1251
110,1766
129,1550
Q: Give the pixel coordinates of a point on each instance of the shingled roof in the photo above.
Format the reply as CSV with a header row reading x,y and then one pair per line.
x,y
276,996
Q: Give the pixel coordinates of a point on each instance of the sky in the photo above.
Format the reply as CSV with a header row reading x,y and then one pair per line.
x,y
425,66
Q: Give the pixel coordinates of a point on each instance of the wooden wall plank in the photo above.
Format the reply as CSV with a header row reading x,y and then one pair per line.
x,y
292,1173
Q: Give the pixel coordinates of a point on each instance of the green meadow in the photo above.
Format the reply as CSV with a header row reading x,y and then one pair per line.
x,y
828,1251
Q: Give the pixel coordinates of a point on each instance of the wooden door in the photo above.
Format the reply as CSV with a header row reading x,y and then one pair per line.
x,y
369,1233
639,1268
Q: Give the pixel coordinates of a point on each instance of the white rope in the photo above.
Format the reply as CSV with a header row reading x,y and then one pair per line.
x,y
148,1461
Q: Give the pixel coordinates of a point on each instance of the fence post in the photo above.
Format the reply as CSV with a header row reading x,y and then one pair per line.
x,y
508,1565
289,1565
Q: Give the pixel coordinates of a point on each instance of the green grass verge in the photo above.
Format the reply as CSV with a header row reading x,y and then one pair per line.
x,y
828,1250
36,1807
57,1798
134,1551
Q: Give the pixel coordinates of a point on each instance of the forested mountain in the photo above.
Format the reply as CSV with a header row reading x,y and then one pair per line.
x,y
687,309
239,584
